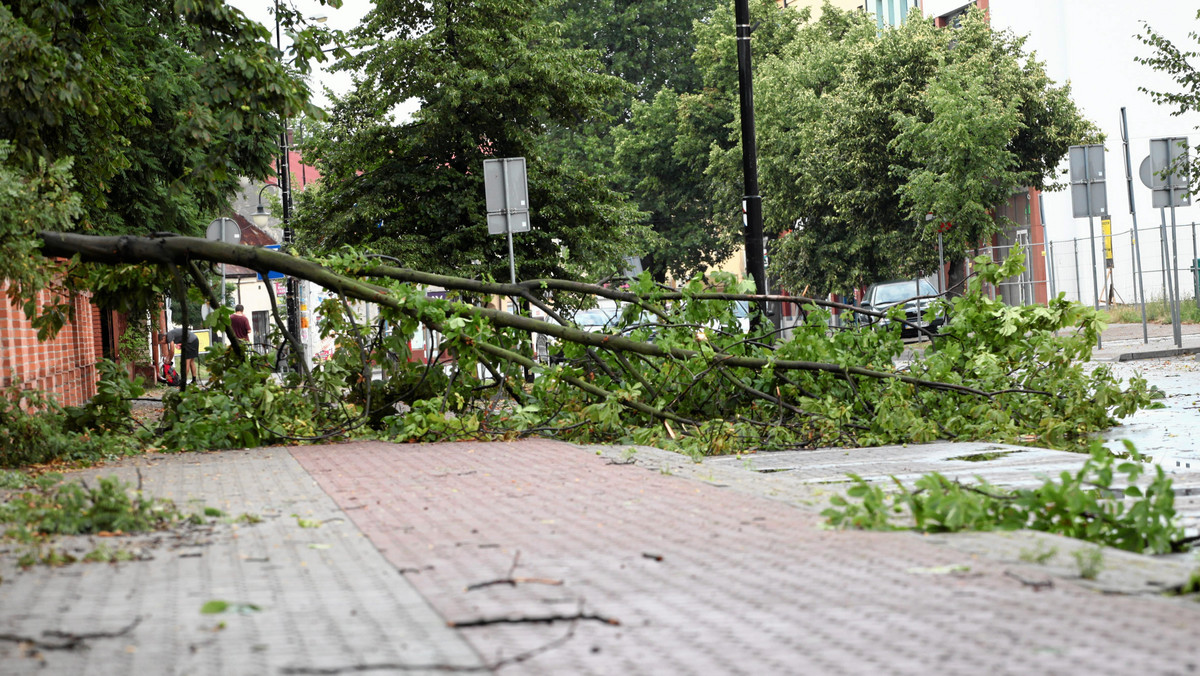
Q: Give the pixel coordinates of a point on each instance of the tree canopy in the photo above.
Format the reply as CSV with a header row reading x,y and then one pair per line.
x,y
129,116
646,43
160,108
664,152
865,132
490,81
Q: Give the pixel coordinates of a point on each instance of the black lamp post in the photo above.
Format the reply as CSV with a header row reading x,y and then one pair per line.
x,y
283,169
751,201
261,218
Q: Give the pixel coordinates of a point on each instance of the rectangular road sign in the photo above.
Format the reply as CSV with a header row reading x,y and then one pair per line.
x,y
506,193
271,274
1087,181
1169,188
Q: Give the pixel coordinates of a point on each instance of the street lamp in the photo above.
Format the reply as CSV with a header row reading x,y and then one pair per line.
x,y
261,216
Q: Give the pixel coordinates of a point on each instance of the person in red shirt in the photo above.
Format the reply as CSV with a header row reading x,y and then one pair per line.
x,y
240,324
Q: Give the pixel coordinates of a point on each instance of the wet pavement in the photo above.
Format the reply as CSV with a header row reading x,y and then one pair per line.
x,y
1169,434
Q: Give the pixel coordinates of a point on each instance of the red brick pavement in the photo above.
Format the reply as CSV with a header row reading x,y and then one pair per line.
x,y
744,584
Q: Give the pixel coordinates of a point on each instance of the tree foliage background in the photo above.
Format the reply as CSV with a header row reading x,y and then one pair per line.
x,y
130,116
1179,62
491,81
679,154
869,131
159,108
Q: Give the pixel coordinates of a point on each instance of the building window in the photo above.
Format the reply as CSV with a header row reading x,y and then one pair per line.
x,y
954,19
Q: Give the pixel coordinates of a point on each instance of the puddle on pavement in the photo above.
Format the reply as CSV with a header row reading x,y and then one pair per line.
x,y
982,457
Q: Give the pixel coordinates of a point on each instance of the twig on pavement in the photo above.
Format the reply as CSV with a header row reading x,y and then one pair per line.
x,y
69,640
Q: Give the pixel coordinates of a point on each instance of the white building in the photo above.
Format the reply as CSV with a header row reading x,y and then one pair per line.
x,y
1092,44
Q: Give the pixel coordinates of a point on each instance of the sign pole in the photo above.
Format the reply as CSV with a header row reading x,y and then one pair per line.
x,y
1176,310
1092,246
1169,190
1078,284
512,260
222,296
941,265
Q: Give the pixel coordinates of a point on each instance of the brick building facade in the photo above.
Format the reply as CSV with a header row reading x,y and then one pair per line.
x,y
64,366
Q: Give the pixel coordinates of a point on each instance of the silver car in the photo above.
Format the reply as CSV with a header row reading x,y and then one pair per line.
x,y
915,295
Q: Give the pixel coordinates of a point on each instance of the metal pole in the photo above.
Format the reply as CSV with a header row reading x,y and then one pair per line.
x,y
1166,258
1051,267
1175,272
1092,245
752,201
1197,299
1132,257
222,295
918,284
941,266
1078,287
512,261
1137,245
285,196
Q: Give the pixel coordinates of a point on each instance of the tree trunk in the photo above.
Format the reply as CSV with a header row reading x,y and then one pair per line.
x,y
956,277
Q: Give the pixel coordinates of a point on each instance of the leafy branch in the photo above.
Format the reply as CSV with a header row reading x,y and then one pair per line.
x,y
1084,505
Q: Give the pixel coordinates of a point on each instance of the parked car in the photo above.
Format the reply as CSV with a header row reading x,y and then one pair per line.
x,y
916,295
601,319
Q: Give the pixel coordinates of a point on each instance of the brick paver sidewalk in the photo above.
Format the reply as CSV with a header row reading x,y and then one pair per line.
x,y
668,575
706,580
324,595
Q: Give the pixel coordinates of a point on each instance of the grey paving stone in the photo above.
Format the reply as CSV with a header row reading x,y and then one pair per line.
x,y
327,597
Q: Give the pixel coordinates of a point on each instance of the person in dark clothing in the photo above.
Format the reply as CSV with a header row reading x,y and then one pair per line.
x,y
240,324
188,352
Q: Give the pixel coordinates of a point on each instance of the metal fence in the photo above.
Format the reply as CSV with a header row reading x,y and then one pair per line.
x,y
1032,286
1167,261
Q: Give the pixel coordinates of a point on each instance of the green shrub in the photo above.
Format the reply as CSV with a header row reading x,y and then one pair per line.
x,y
54,507
241,406
33,430
109,410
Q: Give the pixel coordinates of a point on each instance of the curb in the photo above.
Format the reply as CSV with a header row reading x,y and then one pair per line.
x,y
1157,354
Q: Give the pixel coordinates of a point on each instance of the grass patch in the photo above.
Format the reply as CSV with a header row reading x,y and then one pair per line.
x,y
1157,312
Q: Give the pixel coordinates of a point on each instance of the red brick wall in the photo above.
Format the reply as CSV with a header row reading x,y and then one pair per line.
x,y
64,366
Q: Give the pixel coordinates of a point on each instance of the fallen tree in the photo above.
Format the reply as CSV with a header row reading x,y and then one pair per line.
x,y
675,369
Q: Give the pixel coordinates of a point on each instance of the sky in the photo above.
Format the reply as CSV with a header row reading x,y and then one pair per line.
x,y
345,17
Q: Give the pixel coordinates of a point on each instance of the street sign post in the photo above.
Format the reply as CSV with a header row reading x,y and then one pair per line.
x,y
1169,190
225,230
1089,198
506,194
